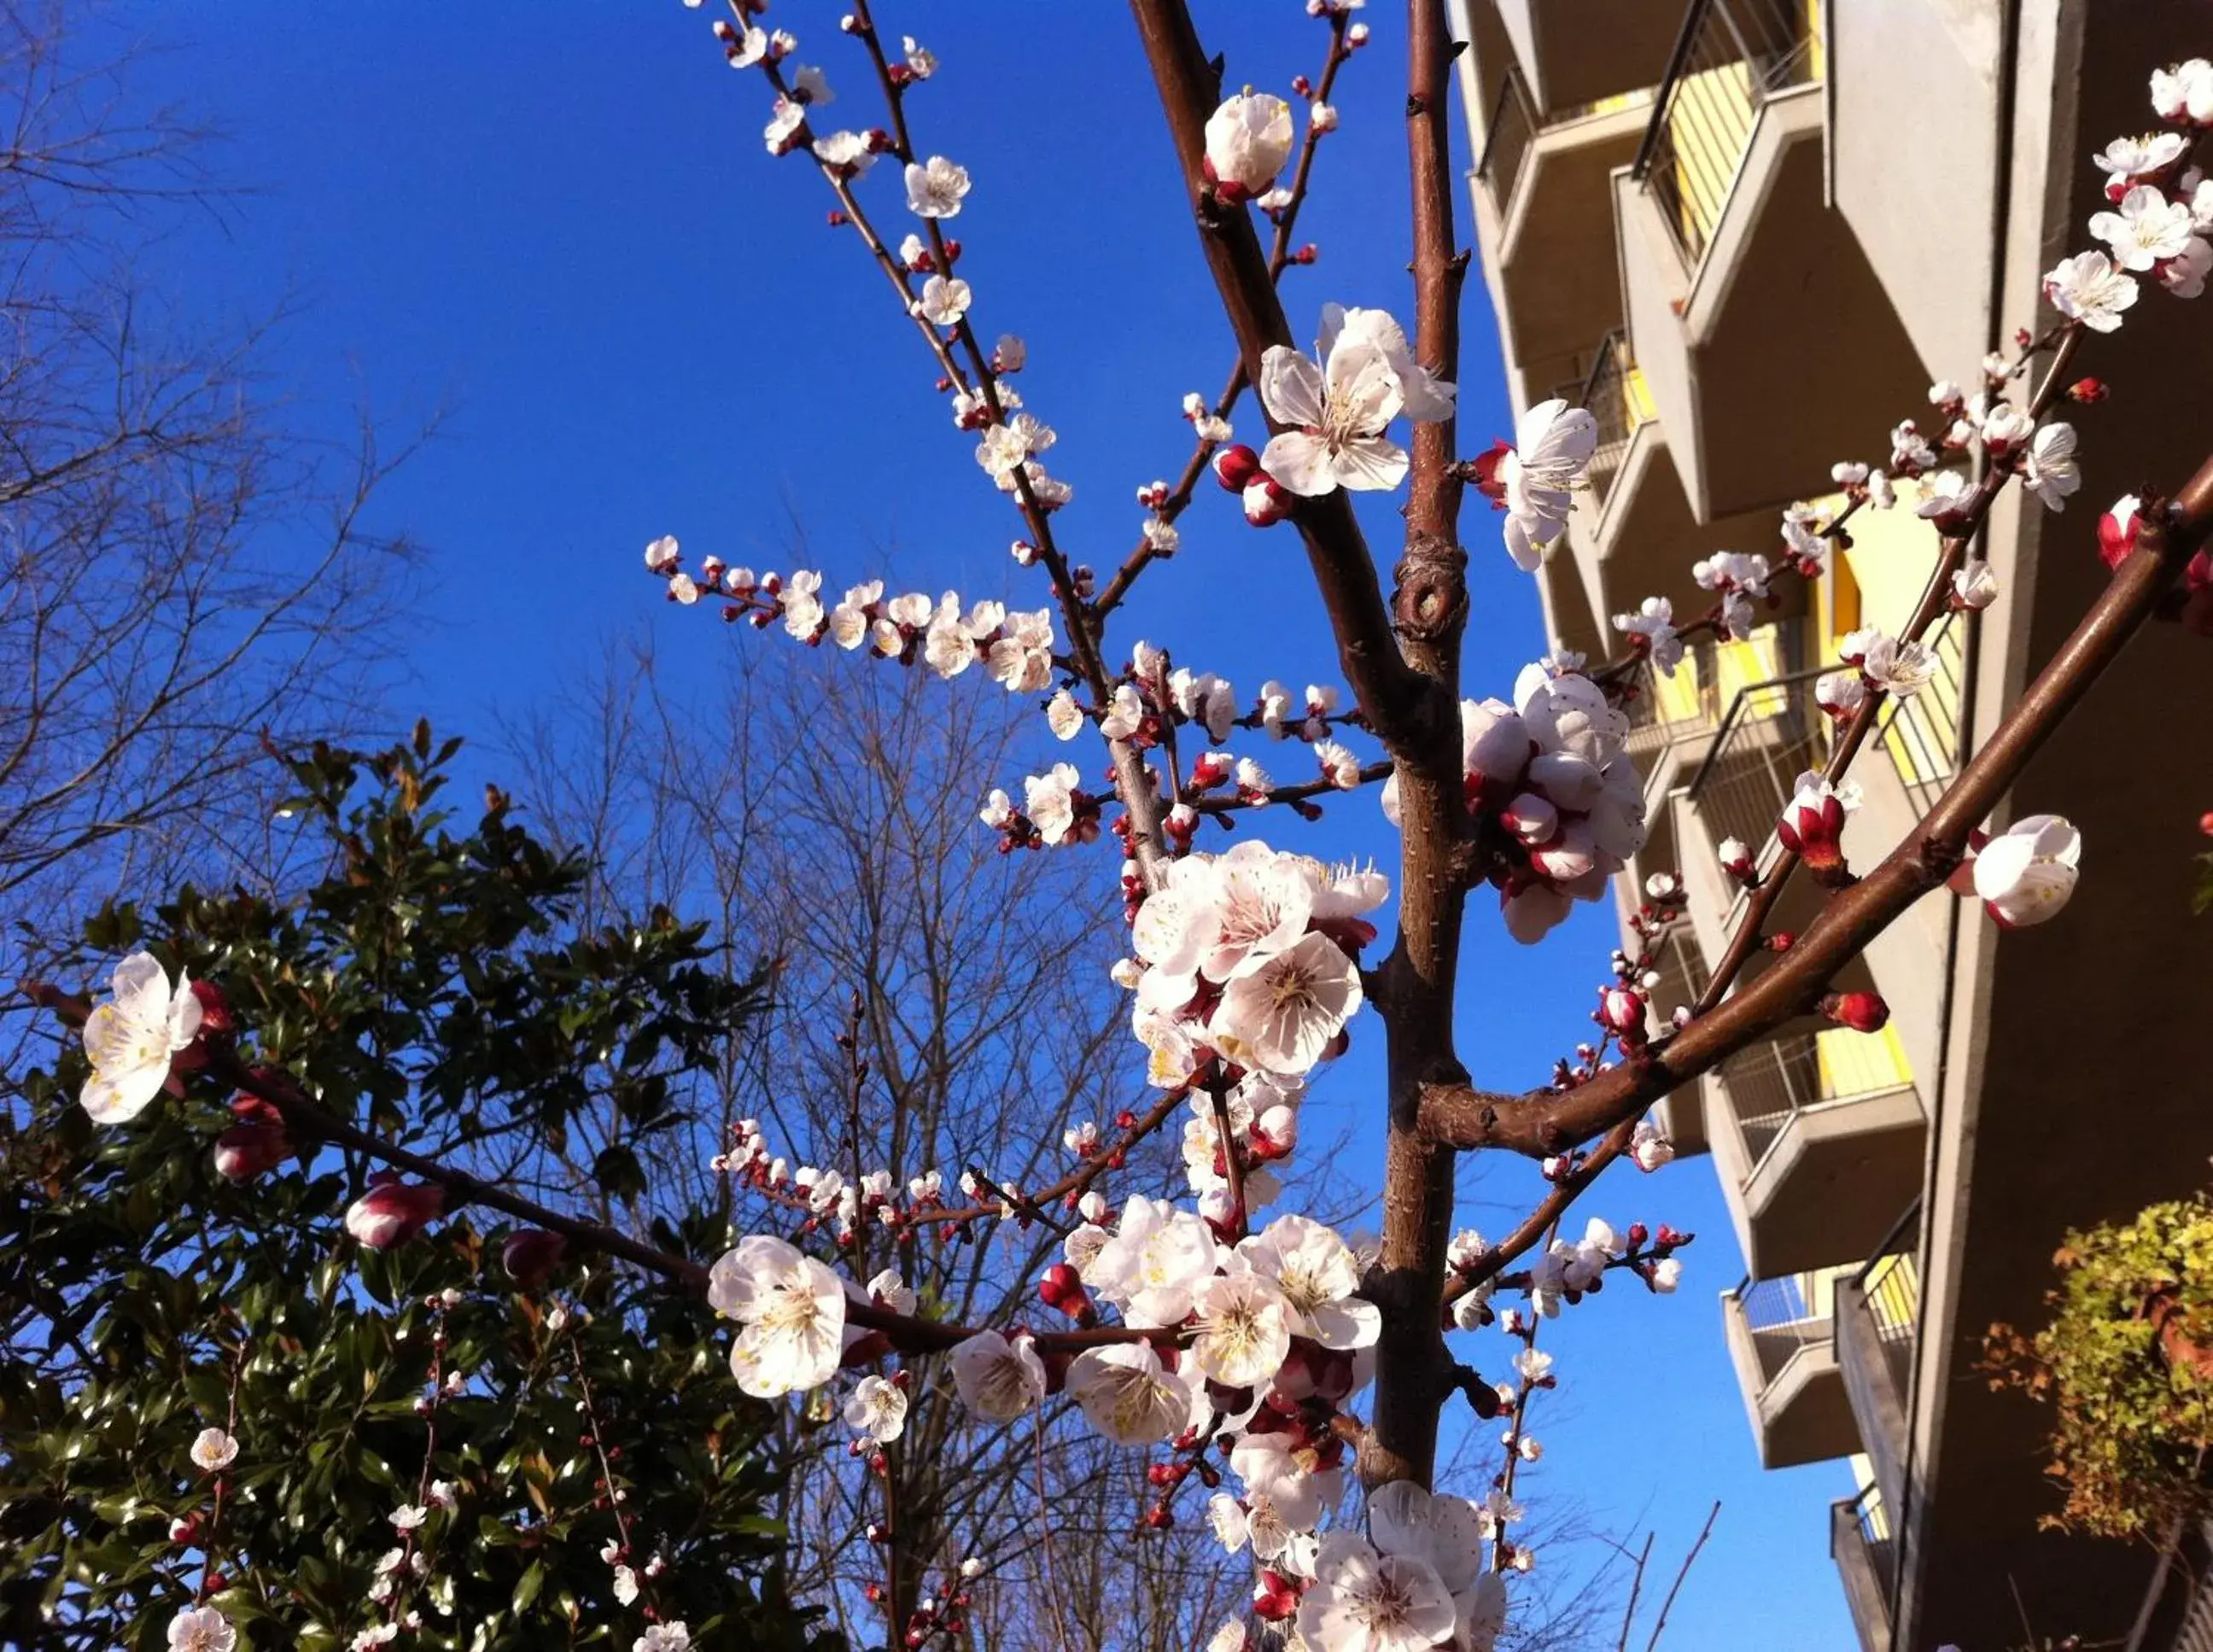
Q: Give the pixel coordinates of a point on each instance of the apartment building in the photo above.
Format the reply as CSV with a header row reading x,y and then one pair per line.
x,y
1748,234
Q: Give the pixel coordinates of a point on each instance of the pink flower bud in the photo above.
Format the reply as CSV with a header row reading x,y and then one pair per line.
x,y
244,1151
530,1256
1622,1012
392,1211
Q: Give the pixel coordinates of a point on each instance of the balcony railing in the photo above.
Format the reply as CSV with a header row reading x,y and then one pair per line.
x,y
1730,57
1772,732
1860,1543
1772,1085
1785,1322
1506,134
1615,393
1513,124
1878,1315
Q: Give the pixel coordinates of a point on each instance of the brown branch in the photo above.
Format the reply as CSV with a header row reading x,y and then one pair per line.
x,y
1408,714
1544,1122
1667,1605
312,1122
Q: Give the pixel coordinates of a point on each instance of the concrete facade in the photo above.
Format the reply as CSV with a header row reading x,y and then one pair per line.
x,y
1830,204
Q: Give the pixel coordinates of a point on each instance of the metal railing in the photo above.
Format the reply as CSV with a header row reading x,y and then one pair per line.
x,y
1660,712
1729,58
1615,396
1772,1084
1863,1545
1890,1284
1781,1322
1773,732
1507,135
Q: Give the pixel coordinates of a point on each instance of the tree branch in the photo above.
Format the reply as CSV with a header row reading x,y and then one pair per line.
x,y
1544,1122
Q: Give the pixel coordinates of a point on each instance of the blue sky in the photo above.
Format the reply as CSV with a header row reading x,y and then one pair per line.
x,y
558,224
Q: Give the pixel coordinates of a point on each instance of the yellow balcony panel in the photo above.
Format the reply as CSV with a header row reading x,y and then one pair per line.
x,y
1815,1173
1724,336
1580,51
1780,1342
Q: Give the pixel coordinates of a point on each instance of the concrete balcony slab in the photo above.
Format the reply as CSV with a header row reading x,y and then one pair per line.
x,y
1794,1395
1715,338
1577,52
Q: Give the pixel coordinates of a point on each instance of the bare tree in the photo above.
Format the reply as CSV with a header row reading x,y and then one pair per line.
x,y
180,569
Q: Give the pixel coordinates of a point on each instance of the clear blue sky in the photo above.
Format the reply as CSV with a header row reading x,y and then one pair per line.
x,y
559,222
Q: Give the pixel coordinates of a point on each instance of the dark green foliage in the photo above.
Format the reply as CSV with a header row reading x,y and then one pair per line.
x,y
431,987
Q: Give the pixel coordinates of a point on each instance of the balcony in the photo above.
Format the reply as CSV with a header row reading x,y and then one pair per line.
x,y
1545,194
1734,272
1779,1340
1878,1315
1580,51
1817,1138
1867,1559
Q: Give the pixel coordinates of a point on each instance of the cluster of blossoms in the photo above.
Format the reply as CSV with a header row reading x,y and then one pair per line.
x,y
1014,648
1548,779
1250,956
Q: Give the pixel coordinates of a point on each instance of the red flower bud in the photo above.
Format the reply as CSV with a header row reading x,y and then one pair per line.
x,y
1863,1012
1275,1597
1236,467
2117,531
1265,503
216,1014
2089,391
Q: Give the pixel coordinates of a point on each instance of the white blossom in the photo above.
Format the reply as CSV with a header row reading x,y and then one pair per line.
x,y
944,301
998,1378
2027,872
1249,139
1654,621
1337,413
214,1450
1244,1329
2088,289
1360,1601
1128,1395
1282,1016
1553,447
1049,800
793,1310
131,1038
2145,228
201,1628
1904,668
877,1409
1319,1280
2049,471
934,188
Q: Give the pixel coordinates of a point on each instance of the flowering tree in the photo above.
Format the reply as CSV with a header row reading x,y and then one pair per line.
x,y
239,1402
1243,1343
